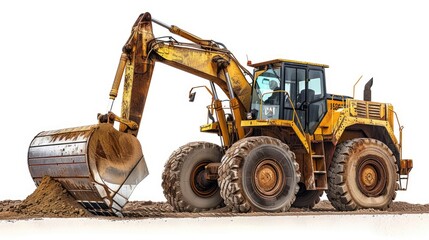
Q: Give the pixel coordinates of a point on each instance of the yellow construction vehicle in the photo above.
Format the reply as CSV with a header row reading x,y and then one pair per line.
x,y
284,139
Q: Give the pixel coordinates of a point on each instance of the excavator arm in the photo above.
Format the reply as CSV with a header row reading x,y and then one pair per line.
x,y
99,165
204,58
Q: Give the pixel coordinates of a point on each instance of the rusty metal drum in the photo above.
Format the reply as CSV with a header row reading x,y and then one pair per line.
x,y
98,165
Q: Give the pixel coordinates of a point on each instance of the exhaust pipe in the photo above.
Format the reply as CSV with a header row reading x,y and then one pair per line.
x,y
367,90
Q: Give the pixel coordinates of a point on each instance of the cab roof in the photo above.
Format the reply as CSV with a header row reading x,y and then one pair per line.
x,y
280,60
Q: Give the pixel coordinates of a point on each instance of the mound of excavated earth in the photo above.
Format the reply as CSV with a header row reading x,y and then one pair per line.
x,y
49,199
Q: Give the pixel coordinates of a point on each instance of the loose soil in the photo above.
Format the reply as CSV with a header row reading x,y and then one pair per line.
x,y
51,200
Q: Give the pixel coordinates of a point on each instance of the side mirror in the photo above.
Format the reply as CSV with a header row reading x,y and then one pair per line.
x,y
192,96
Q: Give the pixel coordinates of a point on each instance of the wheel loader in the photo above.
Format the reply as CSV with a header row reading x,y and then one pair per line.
x,y
284,140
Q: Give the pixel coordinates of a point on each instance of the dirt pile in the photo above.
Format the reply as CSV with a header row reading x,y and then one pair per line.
x,y
49,199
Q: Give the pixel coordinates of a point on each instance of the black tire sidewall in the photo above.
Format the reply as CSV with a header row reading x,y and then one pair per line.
x,y
307,198
284,159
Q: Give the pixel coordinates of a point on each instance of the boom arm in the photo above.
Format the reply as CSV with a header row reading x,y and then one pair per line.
x,y
203,58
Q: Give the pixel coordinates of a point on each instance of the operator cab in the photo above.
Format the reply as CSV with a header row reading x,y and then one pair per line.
x,y
282,87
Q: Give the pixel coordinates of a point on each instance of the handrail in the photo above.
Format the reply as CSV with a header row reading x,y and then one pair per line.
x,y
291,103
400,127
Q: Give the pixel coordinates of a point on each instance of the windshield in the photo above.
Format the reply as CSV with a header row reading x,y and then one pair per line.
x,y
267,92
265,84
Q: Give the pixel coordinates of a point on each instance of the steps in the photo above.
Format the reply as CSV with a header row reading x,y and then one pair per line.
x,y
318,165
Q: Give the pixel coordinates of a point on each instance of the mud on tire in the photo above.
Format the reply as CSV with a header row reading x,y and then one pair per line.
x,y
183,183
259,174
363,174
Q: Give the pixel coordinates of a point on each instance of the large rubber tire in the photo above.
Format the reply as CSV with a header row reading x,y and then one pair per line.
x,y
259,174
363,174
307,198
183,181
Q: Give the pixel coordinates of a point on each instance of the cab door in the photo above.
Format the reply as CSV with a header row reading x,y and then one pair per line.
x,y
294,77
306,87
316,98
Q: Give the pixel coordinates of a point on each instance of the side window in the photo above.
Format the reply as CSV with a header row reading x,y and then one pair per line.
x,y
294,82
315,85
301,83
317,105
290,79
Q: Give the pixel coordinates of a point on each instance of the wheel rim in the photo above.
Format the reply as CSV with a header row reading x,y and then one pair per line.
x,y
371,177
200,185
269,179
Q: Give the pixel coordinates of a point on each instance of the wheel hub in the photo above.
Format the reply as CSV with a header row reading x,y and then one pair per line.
x,y
200,185
371,177
268,178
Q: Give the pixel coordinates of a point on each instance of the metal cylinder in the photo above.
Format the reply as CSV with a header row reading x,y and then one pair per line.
x,y
118,76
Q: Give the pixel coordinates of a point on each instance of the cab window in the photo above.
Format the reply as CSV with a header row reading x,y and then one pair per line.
x,y
267,93
265,85
315,84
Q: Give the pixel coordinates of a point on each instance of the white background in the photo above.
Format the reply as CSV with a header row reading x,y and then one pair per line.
x,y
348,227
58,60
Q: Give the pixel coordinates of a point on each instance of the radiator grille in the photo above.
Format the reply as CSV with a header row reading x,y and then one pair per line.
x,y
370,110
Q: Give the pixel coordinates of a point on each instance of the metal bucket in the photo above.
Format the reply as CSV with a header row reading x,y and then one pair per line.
x,y
98,165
